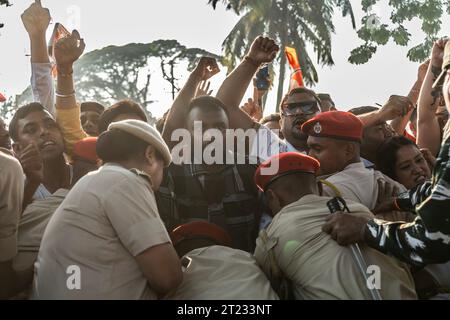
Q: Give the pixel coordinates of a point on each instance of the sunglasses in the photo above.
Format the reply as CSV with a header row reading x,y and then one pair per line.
x,y
306,108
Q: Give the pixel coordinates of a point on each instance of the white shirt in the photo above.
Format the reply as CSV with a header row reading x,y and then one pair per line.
x,y
43,86
359,184
267,144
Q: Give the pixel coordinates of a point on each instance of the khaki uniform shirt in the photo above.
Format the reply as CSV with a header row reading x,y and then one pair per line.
x,y
222,273
359,184
89,246
317,266
11,197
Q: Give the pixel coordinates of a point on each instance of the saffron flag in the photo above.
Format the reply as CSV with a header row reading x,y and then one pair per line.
x,y
2,98
297,76
59,32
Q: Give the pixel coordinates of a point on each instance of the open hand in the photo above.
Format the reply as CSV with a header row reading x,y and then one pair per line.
x,y
203,89
253,109
206,68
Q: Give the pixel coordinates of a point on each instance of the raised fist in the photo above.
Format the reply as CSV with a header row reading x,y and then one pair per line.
x,y
36,19
263,50
69,49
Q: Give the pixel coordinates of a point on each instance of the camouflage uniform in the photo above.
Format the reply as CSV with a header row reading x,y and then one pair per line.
x,y
407,201
427,239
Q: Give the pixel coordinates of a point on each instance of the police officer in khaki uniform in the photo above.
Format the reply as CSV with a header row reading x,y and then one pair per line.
x,y
213,270
11,197
106,240
293,249
334,140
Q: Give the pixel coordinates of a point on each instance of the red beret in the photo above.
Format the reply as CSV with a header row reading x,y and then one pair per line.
x,y
201,229
288,163
335,124
86,149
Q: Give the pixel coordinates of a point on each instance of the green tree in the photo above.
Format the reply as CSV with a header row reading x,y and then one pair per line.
x,y
115,73
295,23
120,72
375,32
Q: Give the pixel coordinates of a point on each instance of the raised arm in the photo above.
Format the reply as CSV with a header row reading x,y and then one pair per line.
x,y
206,68
232,91
67,51
396,106
36,20
399,124
428,130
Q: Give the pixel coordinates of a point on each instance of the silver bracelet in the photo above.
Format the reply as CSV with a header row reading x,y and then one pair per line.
x,y
65,95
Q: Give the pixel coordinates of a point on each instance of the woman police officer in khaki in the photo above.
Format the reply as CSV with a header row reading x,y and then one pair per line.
x,y
106,240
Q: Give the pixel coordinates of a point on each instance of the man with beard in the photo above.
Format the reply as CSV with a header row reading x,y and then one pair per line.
x,y
39,146
218,192
299,106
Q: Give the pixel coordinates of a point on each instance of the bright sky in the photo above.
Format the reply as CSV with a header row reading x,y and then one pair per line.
x,y
195,24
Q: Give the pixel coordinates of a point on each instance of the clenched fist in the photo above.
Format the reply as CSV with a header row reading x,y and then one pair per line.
x,y
397,106
36,19
263,50
68,50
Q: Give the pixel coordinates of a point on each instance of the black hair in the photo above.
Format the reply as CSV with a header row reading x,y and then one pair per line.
x,y
92,106
117,145
272,117
326,96
387,154
362,110
21,113
298,91
207,103
121,107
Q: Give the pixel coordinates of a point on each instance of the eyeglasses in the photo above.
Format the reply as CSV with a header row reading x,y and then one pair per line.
x,y
306,108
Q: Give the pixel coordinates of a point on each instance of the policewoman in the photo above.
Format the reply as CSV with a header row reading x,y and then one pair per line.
x,y
106,240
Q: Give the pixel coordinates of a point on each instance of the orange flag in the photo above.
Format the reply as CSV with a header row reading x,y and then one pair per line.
x,y
2,98
297,76
59,32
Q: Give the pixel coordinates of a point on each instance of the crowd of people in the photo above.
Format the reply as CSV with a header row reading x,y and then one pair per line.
x,y
312,203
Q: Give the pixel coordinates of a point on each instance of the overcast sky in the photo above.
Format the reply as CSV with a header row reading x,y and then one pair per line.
x,y
195,24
